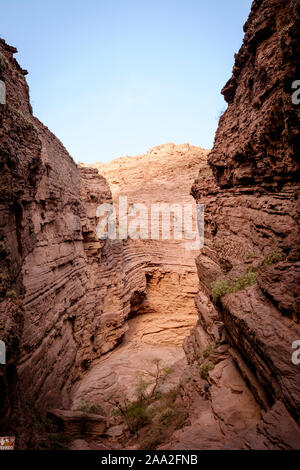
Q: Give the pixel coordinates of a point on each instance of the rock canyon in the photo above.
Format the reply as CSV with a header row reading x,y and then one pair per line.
x,y
142,343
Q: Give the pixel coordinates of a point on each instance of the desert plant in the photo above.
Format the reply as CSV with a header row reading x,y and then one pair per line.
x,y
220,288
171,396
251,256
11,294
205,368
274,257
148,380
137,415
209,349
160,430
134,414
17,115
245,280
223,287
88,407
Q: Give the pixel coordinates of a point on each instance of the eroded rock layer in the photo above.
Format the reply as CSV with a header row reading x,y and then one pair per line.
x,y
249,266
65,296
162,314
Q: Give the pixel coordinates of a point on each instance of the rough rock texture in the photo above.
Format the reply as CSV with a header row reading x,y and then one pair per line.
x,y
162,313
252,221
67,299
258,137
78,423
65,296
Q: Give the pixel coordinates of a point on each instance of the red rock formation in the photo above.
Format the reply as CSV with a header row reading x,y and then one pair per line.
x,y
65,296
252,224
162,312
74,300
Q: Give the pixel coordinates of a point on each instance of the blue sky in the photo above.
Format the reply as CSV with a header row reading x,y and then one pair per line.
x,y
117,77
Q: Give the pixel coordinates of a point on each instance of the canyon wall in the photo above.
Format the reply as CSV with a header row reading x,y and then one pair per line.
x,y
67,298
249,267
65,295
162,314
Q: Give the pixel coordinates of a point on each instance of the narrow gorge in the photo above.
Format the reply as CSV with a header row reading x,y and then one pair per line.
x,y
133,343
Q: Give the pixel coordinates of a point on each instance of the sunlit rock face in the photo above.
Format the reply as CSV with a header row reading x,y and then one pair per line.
x,y
163,311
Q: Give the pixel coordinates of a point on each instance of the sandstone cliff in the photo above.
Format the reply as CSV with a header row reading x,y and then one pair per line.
x,y
163,313
67,299
65,295
249,266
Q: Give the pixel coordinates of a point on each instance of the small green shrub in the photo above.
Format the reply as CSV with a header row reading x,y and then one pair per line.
x,y
166,414
171,396
251,256
251,270
205,368
160,431
223,287
220,288
11,294
246,280
273,258
137,415
209,349
17,114
88,407
148,380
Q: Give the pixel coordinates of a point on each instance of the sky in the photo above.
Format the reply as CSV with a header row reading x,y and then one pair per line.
x,y
117,77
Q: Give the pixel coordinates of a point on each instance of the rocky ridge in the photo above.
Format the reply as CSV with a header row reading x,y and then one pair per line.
x,y
249,266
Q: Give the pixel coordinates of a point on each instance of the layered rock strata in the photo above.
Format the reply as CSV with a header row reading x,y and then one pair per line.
x,y
163,313
65,296
252,230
